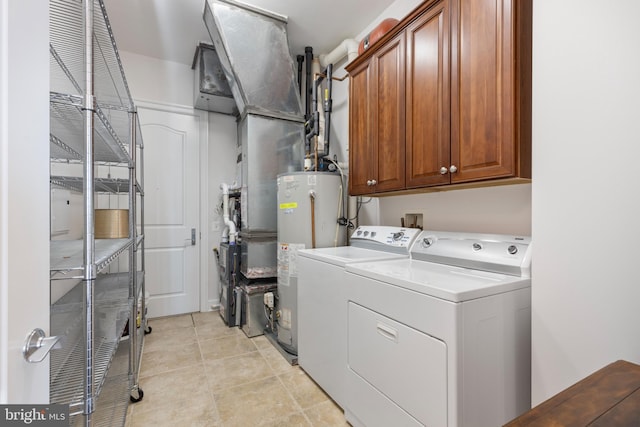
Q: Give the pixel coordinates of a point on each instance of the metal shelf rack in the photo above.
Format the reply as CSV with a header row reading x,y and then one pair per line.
x,y
93,121
103,185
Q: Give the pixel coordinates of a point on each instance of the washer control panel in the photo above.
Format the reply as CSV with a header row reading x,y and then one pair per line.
x,y
400,237
489,252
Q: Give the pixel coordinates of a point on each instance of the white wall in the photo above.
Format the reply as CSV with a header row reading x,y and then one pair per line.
x,y
503,210
158,81
586,189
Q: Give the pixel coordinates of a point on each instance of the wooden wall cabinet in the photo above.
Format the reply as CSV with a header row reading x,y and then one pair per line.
x,y
444,98
376,114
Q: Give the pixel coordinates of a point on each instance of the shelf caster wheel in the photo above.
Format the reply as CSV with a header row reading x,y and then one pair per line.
x,y
140,395
148,330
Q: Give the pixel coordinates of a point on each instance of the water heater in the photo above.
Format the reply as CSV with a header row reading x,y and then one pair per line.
x,y
309,206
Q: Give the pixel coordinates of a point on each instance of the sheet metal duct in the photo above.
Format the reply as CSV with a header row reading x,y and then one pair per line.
x,y
254,51
212,91
270,146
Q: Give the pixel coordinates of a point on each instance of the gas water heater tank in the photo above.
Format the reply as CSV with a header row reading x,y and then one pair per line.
x,y
309,205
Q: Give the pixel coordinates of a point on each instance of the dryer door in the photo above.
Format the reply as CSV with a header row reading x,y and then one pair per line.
x,y
402,363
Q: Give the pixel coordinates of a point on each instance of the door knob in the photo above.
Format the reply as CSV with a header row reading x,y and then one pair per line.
x,y
37,345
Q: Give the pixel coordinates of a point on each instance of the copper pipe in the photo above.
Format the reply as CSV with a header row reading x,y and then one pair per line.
x,y
312,196
324,76
315,150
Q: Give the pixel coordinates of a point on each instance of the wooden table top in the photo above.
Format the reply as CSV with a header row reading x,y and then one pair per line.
x,y
610,397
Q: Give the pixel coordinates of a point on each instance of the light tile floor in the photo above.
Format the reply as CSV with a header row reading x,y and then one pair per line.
x,y
196,371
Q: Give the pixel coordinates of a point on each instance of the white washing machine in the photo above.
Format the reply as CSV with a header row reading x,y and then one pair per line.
x,y
322,309
443,338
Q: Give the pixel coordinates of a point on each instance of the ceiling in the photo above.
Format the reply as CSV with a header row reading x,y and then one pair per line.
x,y
170,29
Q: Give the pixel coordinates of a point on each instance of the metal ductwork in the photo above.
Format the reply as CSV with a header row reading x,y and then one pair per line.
x,y
253,49
212,91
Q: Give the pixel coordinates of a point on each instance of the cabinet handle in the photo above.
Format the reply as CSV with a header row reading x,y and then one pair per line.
x,y
369,183
443,170
453,169
374,182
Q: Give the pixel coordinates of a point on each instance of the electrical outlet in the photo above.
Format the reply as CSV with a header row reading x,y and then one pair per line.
x,y
413,220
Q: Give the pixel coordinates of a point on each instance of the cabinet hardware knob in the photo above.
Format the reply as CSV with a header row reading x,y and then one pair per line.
x,y
443,170
453,169
374,182
369,183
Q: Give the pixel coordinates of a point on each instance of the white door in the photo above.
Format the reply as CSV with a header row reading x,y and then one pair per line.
x,y
24,196
171,210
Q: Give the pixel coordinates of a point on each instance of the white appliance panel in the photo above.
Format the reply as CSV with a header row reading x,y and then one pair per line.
x,y
343,255
391,357
487,252
468,300
374,408
496,358
455,284
322,307
320,339
385,238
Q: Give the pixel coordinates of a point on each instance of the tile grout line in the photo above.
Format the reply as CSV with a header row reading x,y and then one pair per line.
x,y
295,401
274,374
204,373
130,419
276,369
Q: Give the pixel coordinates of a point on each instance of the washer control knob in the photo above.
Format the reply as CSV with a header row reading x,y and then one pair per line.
x,y
366,233
443,170
427,241
513,249
453,169
373,234
359,232
397,236
477,246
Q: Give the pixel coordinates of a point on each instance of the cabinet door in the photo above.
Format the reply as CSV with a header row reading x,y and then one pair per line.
x,y
388,118
361,147
427,103
483,126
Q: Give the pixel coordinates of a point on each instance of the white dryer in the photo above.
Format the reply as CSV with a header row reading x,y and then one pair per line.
x,y
322,309
442,339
